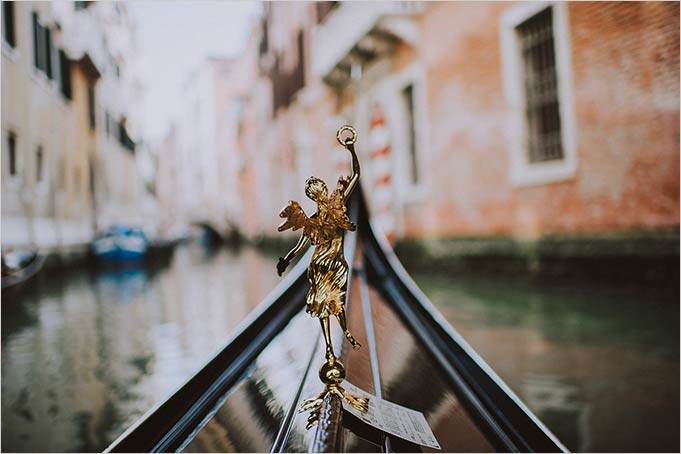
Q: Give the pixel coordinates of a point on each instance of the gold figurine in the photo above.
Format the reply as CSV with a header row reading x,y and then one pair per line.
x,y
328,270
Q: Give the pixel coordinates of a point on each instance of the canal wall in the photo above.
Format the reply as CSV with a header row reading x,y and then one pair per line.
x,y
640,257
643,257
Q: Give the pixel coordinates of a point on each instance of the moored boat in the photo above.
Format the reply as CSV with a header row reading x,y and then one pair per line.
x,y
19,266
120,244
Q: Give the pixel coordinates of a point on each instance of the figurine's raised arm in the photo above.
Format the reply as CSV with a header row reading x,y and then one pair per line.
x,y
349,144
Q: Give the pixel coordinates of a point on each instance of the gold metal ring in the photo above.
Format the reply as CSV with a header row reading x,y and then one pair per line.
x,y
350,140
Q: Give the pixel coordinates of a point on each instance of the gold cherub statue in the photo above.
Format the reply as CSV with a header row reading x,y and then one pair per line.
x,y
328,270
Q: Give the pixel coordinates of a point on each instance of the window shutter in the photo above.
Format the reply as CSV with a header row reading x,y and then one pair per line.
x,y
48,52
9,32
36,40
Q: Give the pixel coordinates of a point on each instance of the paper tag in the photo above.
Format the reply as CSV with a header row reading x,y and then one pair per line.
x,y
394,419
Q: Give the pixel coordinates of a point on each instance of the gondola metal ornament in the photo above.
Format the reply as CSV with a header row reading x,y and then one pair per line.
x,y
327,271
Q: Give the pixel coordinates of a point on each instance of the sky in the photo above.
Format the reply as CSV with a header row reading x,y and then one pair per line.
x,y
173,38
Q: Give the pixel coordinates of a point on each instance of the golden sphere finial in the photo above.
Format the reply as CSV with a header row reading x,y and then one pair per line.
x,y
332,373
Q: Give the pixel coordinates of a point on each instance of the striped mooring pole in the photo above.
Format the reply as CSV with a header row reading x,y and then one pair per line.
x,y
381,165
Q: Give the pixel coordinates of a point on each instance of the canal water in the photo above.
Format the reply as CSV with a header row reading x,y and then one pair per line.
x,y
598,364
84,354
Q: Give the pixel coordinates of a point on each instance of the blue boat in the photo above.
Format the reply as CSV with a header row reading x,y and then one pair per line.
x,y
121,244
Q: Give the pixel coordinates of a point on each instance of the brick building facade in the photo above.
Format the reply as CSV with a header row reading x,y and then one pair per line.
x,y
488,119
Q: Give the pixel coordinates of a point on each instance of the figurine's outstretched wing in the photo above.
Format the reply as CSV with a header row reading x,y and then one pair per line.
x,y
295,217
338,211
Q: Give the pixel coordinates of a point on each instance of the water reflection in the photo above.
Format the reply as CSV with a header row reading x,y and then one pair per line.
x,y
84,355
598,364
410,377
250,417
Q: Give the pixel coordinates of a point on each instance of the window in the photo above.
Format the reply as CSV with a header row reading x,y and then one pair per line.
x,y
542,112
81,5
65,75
48,51
91,105
91,178
408,94
402,108
12,154
42,47
39,164
287,81
8,31
107,123
123,137
36,40
537,84
264,38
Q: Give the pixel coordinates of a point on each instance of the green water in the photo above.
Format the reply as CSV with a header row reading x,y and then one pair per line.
x,y
598,364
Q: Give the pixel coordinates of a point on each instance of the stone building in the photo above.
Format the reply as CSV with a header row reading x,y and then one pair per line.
x,y
484,119
199,159
68,94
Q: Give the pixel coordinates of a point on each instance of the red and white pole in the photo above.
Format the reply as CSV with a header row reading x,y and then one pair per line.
x,y
381,165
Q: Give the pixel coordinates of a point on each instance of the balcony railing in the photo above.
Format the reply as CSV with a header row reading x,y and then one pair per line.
x,y
360,31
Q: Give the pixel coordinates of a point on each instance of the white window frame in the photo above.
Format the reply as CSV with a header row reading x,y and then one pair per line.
x,y
522,171
12,53
378,85
39,76
391,97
